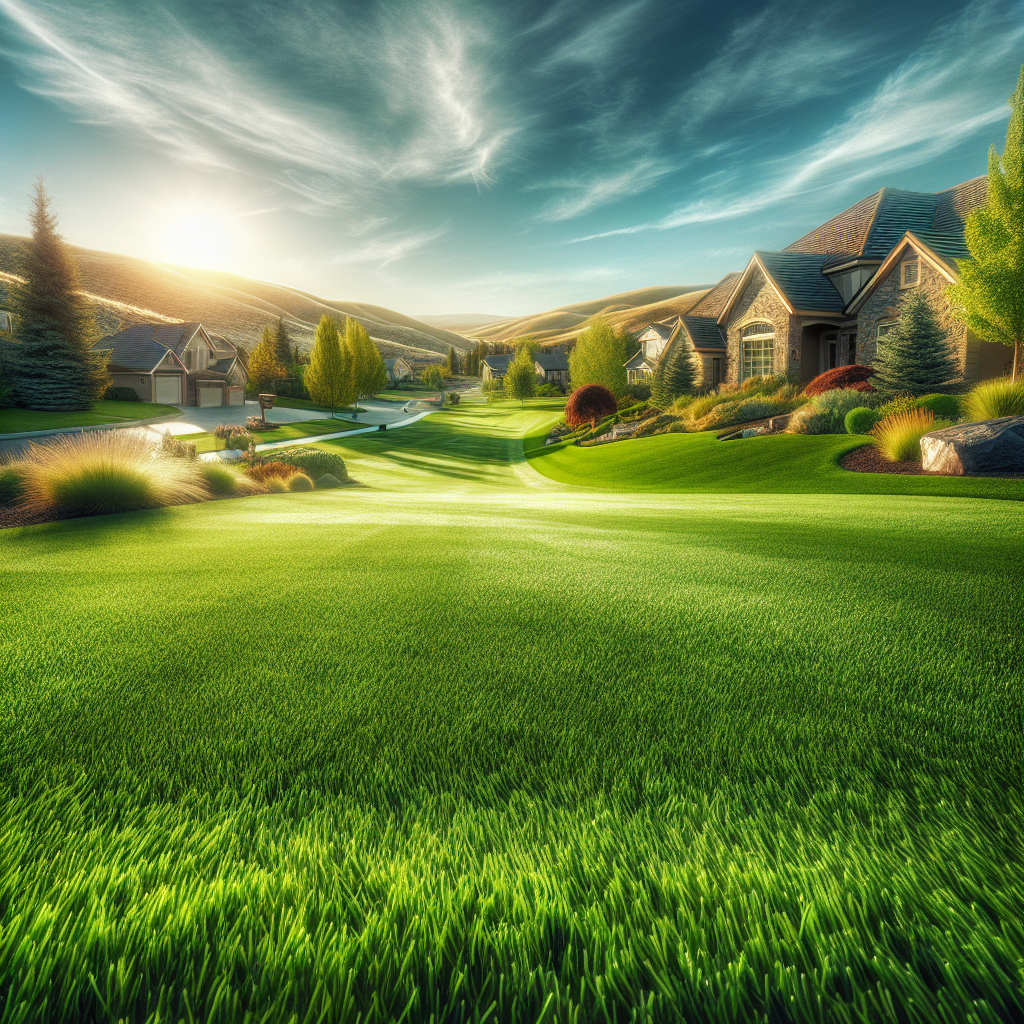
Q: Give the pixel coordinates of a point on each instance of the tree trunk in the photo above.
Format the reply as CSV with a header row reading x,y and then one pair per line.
x,y
1016,361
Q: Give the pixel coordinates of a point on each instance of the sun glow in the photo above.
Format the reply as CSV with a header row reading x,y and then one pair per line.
x,y
199,238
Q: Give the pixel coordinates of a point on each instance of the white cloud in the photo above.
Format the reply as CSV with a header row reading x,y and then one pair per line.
x,y
601,189
387,249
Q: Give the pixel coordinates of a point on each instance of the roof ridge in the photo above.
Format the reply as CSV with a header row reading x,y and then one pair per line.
x,y
871,220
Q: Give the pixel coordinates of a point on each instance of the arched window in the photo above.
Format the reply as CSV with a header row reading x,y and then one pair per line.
x,y
757,351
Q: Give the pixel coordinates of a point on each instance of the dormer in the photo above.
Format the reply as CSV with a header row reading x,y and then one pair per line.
x,y
849,278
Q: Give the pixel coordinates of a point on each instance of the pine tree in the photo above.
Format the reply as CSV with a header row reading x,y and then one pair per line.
x,y
452,362
55,366
680,372
989,297
521,376
597,358
915,357
328,378
659,394
369,374
264,369
282,344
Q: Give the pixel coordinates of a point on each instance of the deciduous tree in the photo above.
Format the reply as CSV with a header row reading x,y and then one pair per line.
x,y
369,374
989,297
521,376
264,369
328,378
597,358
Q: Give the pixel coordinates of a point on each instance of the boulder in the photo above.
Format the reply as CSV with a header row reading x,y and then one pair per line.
x,y
976,449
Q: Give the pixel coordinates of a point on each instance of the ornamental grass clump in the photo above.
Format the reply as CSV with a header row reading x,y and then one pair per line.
x,y
12,483
222,482
106,471
300,482
826,413
995,399
590,404
898,437
263,472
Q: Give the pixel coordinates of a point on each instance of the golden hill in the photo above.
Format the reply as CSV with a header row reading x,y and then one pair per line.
x,y
631,311
126,290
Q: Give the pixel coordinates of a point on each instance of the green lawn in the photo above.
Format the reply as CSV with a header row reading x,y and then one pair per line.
x,y
467,744
286,432
16,421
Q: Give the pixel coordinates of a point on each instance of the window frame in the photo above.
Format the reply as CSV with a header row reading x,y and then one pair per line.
x,y
754,347
914,262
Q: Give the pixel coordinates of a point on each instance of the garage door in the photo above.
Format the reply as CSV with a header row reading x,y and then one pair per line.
x,y
236,396
210,396
167,389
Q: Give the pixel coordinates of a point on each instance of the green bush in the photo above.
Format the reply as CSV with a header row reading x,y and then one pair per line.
x,y
113,394
221,481
995,399
897,406
945,406
548,391
12,483
326,481
860,420
300,482
826,413
314,462
276,485
172,447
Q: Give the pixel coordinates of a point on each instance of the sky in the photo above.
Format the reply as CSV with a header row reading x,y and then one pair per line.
x,y
499,157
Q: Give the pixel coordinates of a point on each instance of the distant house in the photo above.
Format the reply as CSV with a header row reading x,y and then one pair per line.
x,y
552,366
494,367
653,339
398,369
827,298
176,364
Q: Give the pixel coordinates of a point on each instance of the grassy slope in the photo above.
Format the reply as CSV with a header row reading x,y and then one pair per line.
x,y
557,326
14,421
777,464
206,442
128,290
468,743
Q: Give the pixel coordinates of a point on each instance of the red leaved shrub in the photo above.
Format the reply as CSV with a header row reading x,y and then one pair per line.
x,y
588,404
850,378
269,470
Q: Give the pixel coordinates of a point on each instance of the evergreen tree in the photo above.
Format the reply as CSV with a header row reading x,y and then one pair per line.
x,y
659,394
597,358
369,374
328,378
915,357
264,369
680,372
452,363
989,297
521,376
282,344
55,366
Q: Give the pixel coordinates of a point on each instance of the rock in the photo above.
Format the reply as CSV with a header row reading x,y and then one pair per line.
x,y
327,480
976,449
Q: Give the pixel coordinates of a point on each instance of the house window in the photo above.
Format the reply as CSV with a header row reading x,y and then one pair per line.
x,y
884,329
757,351
910,271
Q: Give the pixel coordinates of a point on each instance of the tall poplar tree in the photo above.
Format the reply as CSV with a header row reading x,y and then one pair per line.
x,y
369,374
54,367
328,377
264,369
452,361
989,297
282,344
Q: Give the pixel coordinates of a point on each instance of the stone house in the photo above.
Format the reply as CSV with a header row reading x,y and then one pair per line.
x,y
176,364
825,299
653,341
397,369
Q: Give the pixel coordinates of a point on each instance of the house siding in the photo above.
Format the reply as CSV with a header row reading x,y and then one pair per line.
x,y
142,383
760,301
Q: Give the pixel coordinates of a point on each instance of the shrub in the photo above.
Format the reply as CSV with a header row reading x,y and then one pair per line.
x,y
860,420
275,485
314,462
767,385
898,437
945,406
994,399
327,481
588,404
548,390
264,471
113,394
849,378
256,423
12,483
658,425
826,413
638,393
172,447
896,406
220,481
240,440
300,482
453,397
106,471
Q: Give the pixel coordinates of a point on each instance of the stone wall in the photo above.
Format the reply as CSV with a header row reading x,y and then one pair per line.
x,y
886,302
760,301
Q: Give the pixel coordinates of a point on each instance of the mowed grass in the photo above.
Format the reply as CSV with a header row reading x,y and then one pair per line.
x,y
207,442
776,464
463,744
16,421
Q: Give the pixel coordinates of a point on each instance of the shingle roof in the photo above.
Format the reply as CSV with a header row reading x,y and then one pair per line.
x,y
500,363
714,302
800,279
134,348
844,233
552,359
638,359
662,330
221,365
174,336
954,204
898,212
949,246
703,332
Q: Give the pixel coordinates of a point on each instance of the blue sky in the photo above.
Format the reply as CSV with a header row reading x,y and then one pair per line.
x,y
487,157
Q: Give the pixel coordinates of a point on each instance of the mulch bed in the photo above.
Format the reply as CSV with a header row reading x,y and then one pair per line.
x,y
870,460
10,517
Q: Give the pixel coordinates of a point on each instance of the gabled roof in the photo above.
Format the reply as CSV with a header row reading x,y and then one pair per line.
x,y
798,276
134,350
638,360
389,364
703,332
954,204
552,359
663,330
498,364
714,301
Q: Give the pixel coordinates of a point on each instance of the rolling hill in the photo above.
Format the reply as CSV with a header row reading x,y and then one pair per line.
x,y
629,311
126,290
461,323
